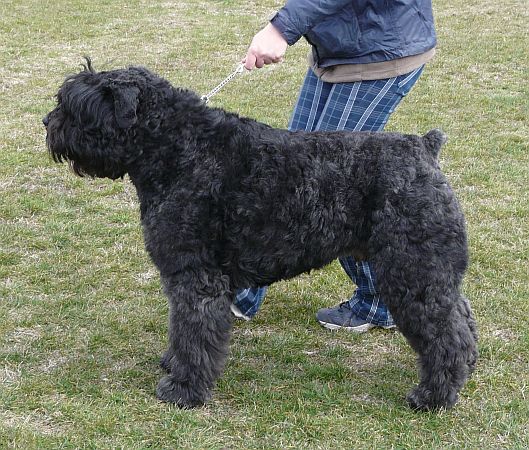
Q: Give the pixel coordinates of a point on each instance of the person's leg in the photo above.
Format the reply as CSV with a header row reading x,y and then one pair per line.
x,y
248,301
362,106
309,106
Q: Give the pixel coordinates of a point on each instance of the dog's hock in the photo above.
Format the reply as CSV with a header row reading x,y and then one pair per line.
x,y
125,103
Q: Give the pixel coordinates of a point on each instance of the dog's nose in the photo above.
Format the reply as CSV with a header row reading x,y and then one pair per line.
x,y
45,120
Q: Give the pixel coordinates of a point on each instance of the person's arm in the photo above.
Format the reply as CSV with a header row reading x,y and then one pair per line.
x,y
297,17
291,22
267,47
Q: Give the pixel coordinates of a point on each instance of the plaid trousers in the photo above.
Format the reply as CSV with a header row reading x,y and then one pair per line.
x,y
359,106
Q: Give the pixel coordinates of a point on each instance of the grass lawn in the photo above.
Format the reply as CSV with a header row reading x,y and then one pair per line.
x,y
82,317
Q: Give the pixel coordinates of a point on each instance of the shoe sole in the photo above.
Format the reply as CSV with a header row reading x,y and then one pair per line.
x,y
357,329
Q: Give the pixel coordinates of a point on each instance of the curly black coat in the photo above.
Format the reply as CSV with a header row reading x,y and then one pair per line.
x,y
228,202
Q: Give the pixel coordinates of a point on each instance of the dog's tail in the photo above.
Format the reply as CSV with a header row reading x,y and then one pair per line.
x,y
433,141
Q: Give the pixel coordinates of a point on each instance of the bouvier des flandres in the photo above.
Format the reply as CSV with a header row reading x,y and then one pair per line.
x,y
227,202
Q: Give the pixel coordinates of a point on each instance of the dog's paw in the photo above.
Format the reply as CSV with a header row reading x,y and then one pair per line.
x,y
423,399
182,394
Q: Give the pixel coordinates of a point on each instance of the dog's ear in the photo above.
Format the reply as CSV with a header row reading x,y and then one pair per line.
x,y
125,103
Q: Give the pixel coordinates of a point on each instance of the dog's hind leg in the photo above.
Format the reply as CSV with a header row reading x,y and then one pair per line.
x,y
424,300
199,330
446,345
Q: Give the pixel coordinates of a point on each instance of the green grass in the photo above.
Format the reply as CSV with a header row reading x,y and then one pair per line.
x,y
82,316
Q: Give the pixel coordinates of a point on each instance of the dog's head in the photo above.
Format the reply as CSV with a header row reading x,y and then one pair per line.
x,y
95,124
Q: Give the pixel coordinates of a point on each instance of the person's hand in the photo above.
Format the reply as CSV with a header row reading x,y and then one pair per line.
x,y
267,47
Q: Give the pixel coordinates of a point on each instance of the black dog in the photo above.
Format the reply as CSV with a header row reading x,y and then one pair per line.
x,y
228,203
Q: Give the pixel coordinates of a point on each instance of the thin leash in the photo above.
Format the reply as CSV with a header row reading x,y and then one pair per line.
x,y
231,76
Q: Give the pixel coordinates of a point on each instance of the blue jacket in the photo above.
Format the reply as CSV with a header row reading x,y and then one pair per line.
x,y
358,31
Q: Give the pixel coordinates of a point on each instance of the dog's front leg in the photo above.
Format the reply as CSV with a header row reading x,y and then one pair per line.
x,y
199,331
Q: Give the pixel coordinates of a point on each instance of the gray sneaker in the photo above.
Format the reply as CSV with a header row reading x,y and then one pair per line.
x,y
343,317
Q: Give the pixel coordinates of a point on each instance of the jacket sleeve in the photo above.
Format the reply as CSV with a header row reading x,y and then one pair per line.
x,y
297,17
